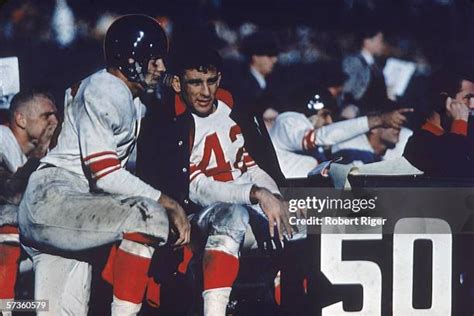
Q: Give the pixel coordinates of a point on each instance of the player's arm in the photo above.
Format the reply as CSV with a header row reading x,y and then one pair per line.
x,y
342,131
295,133
265,192
101,114
290,132
258,176
275,210
204,190
99,155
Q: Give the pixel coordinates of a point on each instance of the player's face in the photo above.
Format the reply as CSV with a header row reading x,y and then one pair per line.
x,y
198,90
156,68
390,136
41,112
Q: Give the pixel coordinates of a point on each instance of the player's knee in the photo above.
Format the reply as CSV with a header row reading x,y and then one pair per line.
x,y
150,210
148,218
231,220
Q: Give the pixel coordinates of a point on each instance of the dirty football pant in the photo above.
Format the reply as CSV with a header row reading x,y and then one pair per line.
x,y
219,232
9,251
58,215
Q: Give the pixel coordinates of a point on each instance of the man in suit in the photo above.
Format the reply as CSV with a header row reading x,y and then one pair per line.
x,y
250,89
366,83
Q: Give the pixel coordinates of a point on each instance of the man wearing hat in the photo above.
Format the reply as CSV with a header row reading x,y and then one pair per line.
x,y
251,90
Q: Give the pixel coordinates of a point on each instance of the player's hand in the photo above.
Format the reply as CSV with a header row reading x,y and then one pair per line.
x,y
179,222
457,110
275,210
43,142
394,119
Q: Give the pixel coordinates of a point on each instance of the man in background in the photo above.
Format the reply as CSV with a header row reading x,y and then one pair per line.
x,y
366,83
26,139
441,146
297,134
251,89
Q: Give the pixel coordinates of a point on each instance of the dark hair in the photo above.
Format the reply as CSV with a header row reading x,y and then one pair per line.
x,y
194,55
331,74
441,84
262,43
366,32
308,99
23,97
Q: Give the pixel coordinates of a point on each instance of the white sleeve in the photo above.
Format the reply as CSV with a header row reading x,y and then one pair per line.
x,y
341,131
100,115
261,179
205,191
294,132
124,183
290,131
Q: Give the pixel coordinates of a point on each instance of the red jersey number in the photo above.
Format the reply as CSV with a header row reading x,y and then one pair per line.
x,y
222,171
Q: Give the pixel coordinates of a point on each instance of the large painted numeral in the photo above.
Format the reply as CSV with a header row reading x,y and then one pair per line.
x,y
403,245
365,273
368,274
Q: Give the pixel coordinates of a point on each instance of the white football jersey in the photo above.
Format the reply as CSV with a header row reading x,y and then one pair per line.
x,y
292,134
11,155
397,152
100,129
218,148
221,170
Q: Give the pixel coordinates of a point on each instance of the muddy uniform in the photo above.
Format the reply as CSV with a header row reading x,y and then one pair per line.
x,y
293,134
222,173
81,197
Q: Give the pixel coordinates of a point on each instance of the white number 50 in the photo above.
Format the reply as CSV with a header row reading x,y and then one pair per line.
x,y
369,276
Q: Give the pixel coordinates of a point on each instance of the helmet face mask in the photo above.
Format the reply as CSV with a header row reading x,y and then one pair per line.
x,y
131,42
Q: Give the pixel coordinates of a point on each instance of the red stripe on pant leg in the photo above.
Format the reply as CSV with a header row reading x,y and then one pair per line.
x,y
278,294
220,269
277,283
9,229
108,271
130,276
9,257
153,293
187,255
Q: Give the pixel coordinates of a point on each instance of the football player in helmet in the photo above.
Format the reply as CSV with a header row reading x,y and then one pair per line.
x,y
82,197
